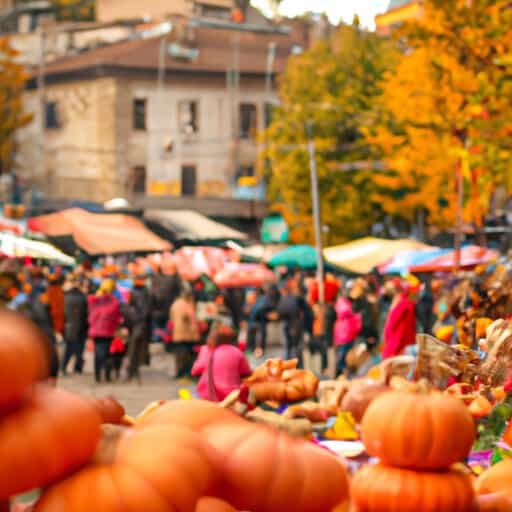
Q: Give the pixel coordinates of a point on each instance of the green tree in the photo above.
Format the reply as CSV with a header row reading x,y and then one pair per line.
x,y
12,115
334,85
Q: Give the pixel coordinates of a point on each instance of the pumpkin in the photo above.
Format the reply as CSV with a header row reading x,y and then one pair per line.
x,y
265,470
251,455
498,478
418,431
360,395
24,358
387,489
110,410
497,502
154,469
194,414
213,505
54,433
480,407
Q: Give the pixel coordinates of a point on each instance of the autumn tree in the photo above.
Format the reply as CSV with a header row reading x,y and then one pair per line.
x,y
333,85
449,110
12,115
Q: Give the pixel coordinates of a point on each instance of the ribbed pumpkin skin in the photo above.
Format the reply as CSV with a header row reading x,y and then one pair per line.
x,y
385,489
193,414
214,505
268,471
496,479
155,469
24,358
424,432
54,433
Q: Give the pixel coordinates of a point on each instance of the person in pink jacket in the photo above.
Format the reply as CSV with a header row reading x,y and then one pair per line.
x,y
104,319
346,330
221,365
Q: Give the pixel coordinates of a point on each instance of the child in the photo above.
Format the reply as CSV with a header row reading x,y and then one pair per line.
x,y
117,353
346,330
221,365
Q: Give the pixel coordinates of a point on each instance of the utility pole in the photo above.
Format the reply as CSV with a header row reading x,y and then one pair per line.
x,y
317,222
41,89
460,198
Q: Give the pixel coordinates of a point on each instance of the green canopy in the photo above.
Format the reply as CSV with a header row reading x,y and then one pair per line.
x,y
300,256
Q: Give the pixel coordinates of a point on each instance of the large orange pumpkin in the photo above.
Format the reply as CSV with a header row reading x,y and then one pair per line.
x,y
426,432
214,505
386,489
252,456
265,470
496,479
194,414
53,434
153,469
24,358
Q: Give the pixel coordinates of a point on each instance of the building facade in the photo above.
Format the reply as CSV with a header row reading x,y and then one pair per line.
x,y
119,121
398,12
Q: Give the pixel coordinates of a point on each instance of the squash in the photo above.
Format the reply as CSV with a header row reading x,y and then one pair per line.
x,y
497,502
251,455
54,433
214,505
360,395
498,478
418,431
265,470
153,469
110,410
387,489
24,358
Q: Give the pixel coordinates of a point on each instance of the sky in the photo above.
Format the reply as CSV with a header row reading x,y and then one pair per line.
x,y
336,9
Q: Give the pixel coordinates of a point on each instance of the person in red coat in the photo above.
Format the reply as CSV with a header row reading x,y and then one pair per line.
x,y
400,327
104,319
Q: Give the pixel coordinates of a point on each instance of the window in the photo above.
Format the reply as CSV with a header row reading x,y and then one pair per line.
x,y
269,110
188,180
245,171
248,121
139,114
52,115
188,112
139,180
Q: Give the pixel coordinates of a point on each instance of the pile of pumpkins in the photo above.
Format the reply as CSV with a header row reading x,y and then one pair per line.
x,y
194,456
186,456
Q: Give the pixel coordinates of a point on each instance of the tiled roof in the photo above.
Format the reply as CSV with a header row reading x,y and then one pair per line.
x,y
215,54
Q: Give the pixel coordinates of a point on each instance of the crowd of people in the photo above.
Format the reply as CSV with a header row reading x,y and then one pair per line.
x,y
373,316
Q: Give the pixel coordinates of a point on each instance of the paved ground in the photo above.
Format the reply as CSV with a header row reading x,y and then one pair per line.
x,y
155,383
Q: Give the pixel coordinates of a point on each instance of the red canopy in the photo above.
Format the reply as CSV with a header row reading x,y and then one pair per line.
x,y
241,275
471,256
99,233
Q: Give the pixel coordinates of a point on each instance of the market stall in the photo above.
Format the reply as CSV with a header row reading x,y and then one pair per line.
x,y
470,257
361,256
98,234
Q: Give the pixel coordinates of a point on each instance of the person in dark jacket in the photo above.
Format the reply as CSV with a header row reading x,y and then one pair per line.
x,y
265,311
37,308
425,308
138,342
75,325
165,289
293,317
360,304
104,319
